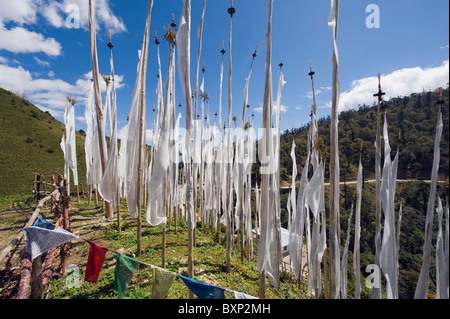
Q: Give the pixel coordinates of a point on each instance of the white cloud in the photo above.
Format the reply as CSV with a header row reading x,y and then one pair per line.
x,y
55,14
284,108
51,14
444,47
51,73
48,94
20,40
398,83
3,60
19,11
40,62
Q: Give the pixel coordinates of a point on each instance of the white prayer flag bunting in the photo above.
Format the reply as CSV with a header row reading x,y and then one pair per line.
x,y
269,244
68,144
423,282
184,62
133,146
40,240
156,191
334,158
110,182
89,115
388,253
356,247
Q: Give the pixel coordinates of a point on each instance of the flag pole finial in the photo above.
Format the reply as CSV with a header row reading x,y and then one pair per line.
x,y
223,49
110,45
311,73
231,10
256,50
380,92
441,96
173,24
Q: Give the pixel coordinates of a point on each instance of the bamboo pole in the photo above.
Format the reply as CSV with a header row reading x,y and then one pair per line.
x,y
142,132
98,101
376,291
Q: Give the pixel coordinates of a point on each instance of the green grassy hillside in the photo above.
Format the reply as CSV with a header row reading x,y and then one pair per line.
x,y
30,142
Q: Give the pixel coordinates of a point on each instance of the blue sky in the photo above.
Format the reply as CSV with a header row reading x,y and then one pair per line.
x,y
43,58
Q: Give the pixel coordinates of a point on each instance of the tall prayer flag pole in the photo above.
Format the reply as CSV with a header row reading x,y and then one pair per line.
x,y
376,291
98,98
231,11
334,159
423,282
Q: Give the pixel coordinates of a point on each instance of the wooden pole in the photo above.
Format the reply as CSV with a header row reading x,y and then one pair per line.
x,y
263,285
142,133
98,99
34,186
89,189
36,279
64,252
38,187
25,276
191,257
118,207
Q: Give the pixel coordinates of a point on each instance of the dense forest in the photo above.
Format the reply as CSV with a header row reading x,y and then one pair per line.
x,y
415,117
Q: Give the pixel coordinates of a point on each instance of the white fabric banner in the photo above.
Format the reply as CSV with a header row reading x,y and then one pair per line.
x,y
110,182
356,247
40,240
133,148
334,158
423,282
184,62
388,253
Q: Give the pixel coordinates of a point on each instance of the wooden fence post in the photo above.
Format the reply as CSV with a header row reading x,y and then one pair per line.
x,y
25,276
64,252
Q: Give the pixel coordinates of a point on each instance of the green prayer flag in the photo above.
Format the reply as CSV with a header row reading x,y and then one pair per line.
x,y
162,281
125,269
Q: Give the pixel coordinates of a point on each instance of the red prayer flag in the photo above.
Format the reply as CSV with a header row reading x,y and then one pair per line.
x,y
95,261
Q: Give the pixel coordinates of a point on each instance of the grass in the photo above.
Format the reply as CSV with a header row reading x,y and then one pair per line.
x,y
209,256
30,142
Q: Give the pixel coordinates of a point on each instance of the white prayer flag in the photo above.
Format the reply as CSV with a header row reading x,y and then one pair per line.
x,y
133,147
388,253
423,282
356,248
110,182
184,62
334,158
40,240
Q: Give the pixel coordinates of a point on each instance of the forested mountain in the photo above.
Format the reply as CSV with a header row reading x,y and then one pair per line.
x,y
415,116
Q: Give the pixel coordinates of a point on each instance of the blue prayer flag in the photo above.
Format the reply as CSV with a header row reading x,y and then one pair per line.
x,y
203,290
